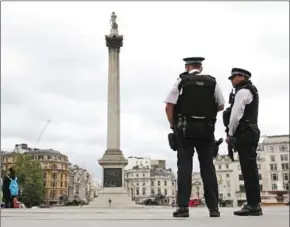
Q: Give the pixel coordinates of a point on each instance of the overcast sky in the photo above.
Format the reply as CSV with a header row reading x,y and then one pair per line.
x,y
54,66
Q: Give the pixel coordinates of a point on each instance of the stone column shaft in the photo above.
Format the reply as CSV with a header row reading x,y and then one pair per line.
x,y
113,118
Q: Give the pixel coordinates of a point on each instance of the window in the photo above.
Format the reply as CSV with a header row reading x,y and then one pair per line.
x,y
271,148
52,194
165,191
261,187
227,166
137,191
165,183
273,166
53,176
143,183
173,183
53,184
286,186
143,174
229,194
137,175
227,175
241,177
143,191
286,176
221,195
158,183
274,176
260,177
274,187
152,183
283,148
242,188
285,166
152,191
272,157
284,157
159,190
219,166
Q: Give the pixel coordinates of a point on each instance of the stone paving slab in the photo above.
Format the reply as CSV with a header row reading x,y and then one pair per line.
x,y
146,217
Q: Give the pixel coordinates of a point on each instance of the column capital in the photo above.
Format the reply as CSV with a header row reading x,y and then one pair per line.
x,y
114,42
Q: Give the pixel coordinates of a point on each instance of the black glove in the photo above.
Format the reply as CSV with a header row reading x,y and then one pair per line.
x,y
231,147
217,143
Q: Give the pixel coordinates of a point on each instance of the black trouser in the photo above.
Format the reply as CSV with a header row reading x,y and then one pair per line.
x,y
208,174
246,148
247,156
8,201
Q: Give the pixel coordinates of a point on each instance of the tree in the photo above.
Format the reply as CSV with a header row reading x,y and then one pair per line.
x,y
30,180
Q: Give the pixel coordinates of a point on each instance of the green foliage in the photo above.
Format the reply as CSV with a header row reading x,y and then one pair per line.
x,y
30,180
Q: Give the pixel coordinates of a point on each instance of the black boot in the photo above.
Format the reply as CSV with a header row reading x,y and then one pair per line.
x,y
214,213
181,212
250,210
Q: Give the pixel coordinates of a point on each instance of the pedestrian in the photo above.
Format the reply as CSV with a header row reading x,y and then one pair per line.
x,y
244,135
191,108
10,188
110,201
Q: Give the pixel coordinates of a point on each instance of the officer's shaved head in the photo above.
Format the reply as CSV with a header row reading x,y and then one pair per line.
x,y
189,67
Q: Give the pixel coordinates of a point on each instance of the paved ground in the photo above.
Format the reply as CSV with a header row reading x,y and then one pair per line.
x,y
141,217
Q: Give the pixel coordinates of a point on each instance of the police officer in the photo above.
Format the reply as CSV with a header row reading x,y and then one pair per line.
x,y
191,109
244,134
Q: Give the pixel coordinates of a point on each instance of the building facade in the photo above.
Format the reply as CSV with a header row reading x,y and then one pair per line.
x,y
143,183
141,162
80,185
144,162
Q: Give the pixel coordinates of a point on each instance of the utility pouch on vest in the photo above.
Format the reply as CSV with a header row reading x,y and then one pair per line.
x,y
198,129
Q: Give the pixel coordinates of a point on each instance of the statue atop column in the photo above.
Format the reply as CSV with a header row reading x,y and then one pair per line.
x,y
114,25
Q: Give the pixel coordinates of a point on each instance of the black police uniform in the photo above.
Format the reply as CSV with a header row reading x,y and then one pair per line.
x,y
196,100
246,139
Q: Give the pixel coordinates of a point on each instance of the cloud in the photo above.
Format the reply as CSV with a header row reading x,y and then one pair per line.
x,y
55,67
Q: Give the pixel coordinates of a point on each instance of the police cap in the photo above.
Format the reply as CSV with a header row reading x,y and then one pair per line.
x,y
193,60
239,71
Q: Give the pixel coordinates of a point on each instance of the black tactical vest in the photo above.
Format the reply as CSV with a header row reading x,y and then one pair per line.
x,y
197,96
251,110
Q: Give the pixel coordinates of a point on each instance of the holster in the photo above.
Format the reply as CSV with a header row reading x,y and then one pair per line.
x,y
172,141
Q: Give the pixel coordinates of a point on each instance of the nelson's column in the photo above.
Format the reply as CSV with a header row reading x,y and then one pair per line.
x,y
113,161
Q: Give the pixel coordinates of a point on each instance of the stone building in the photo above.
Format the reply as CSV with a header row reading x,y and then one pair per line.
x,y
80,184
143,183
